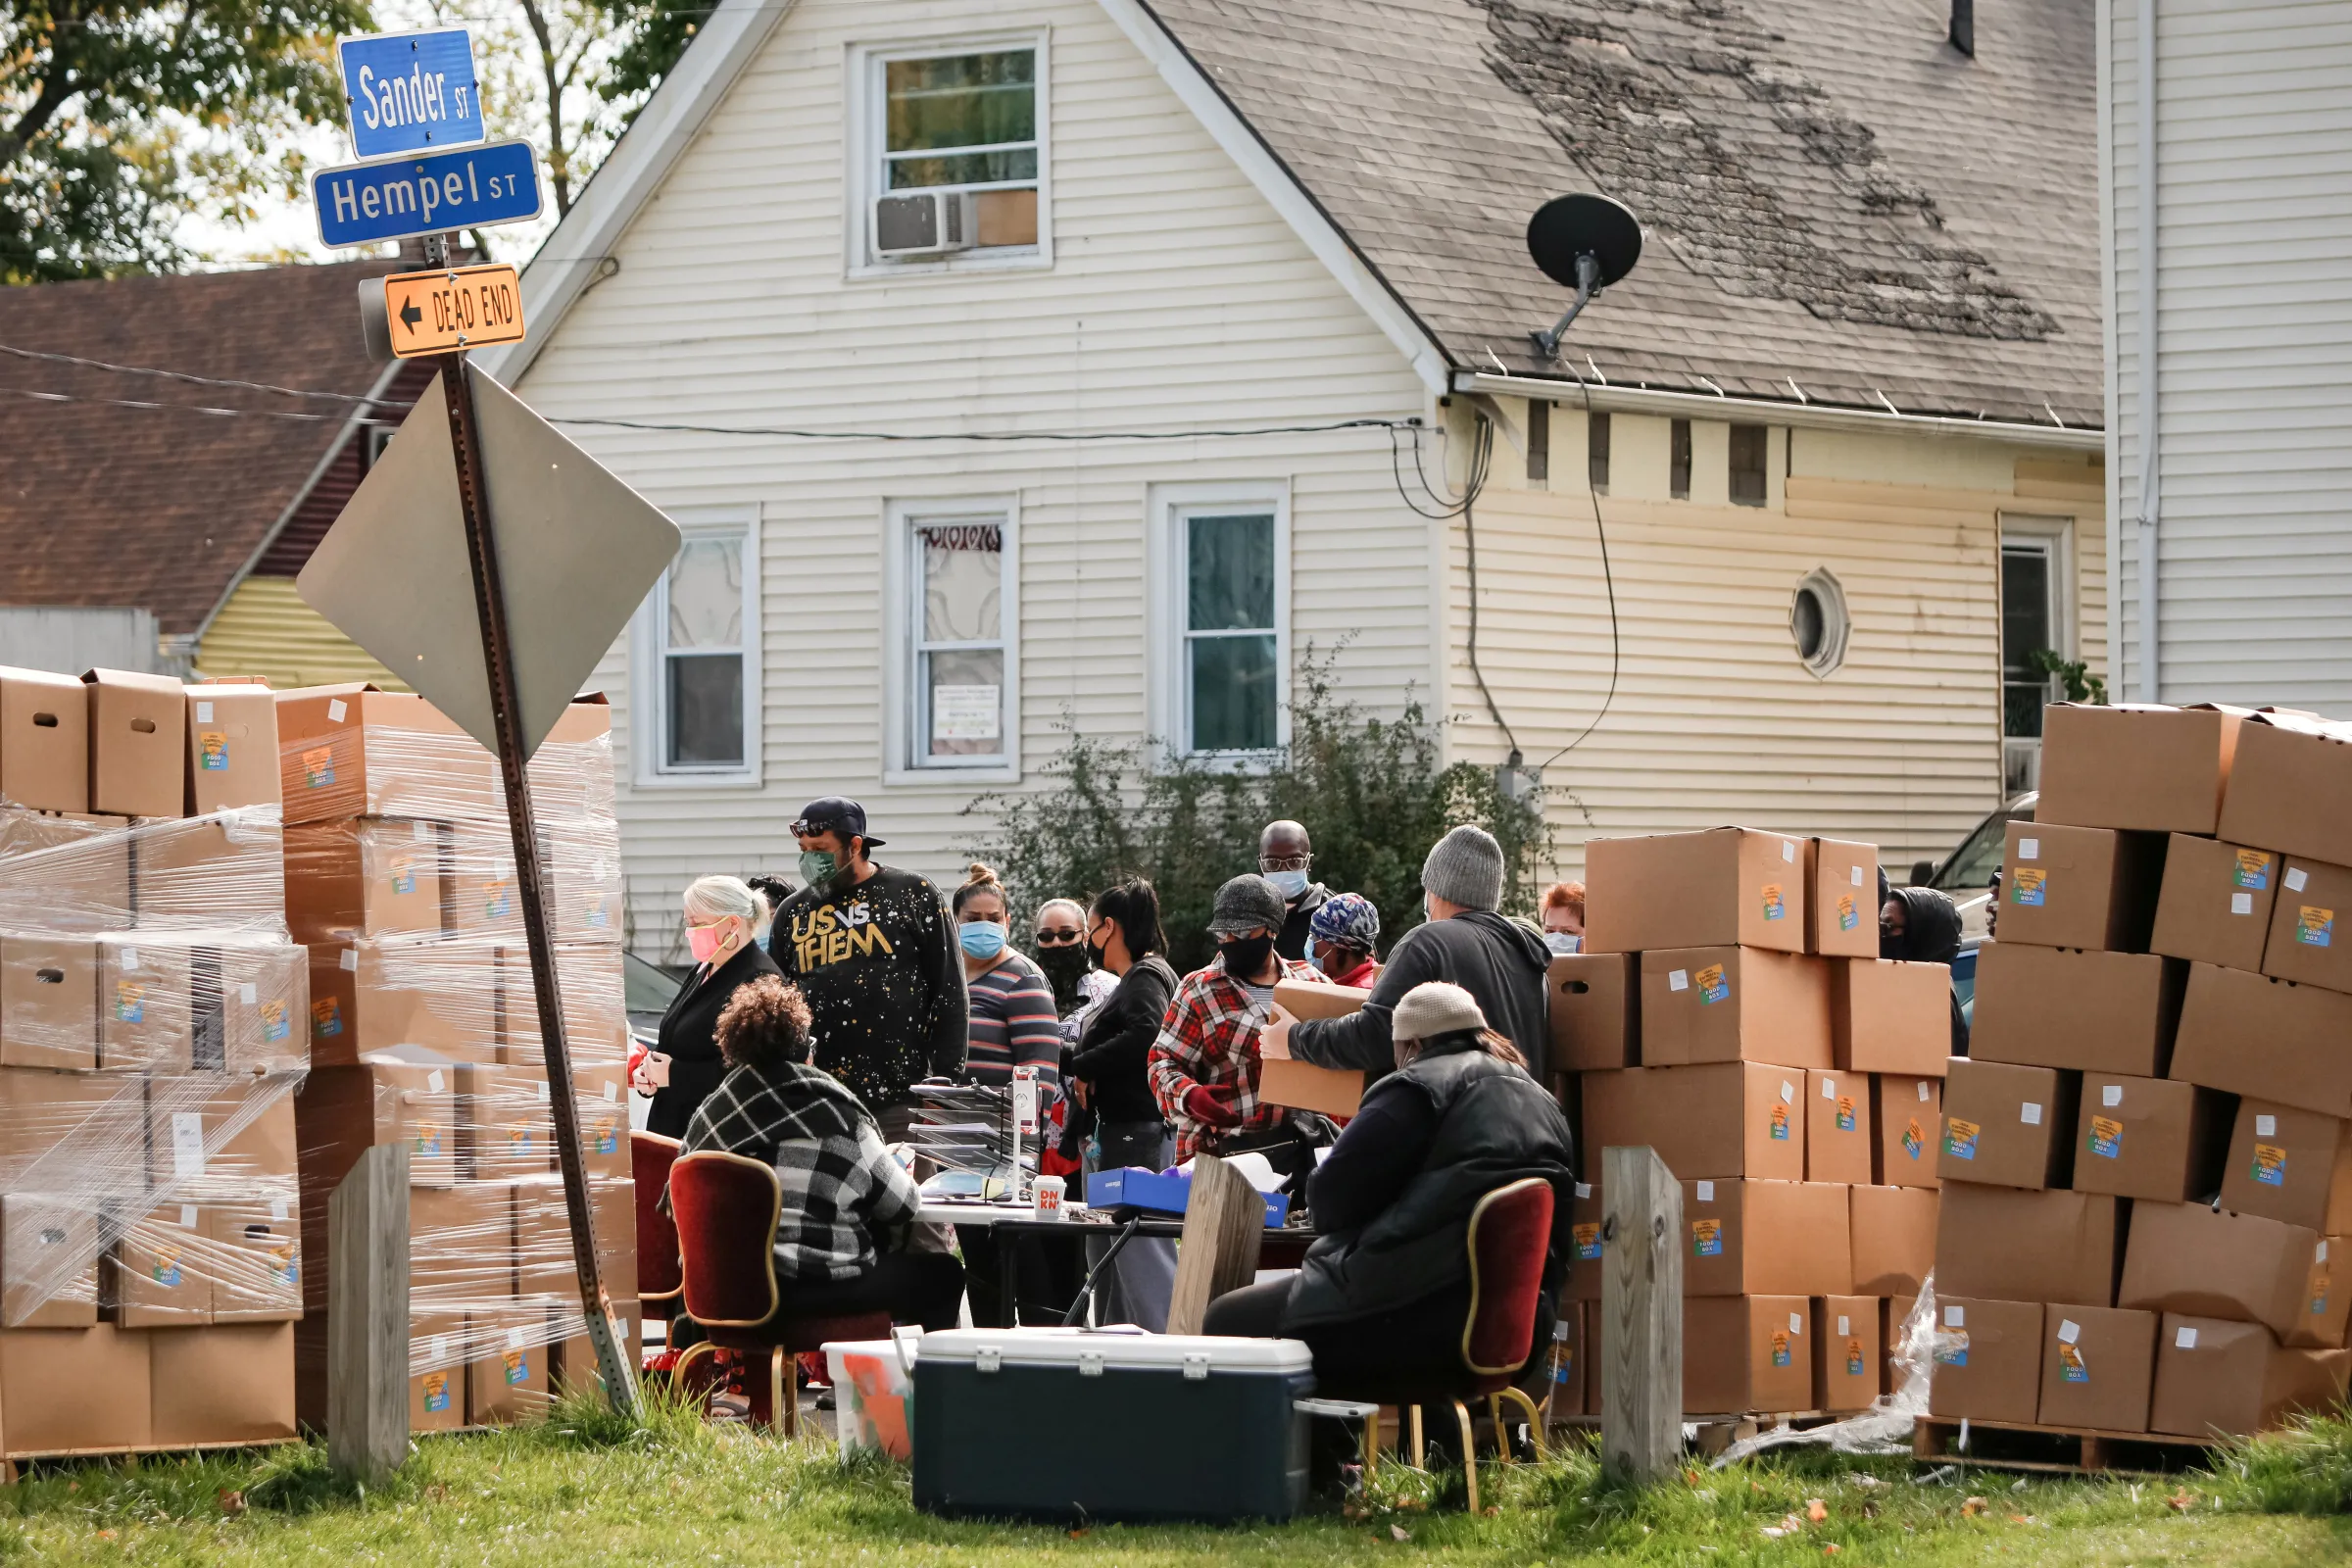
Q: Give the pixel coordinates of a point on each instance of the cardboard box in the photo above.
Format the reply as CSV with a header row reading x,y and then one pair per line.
x,y
49,1247
1895,1321
1847,1353
2012,1244
231,1384
543,1261
83,1133
146,1003
257,1240
1841,1142
210,873
2136,765
2067,1008
596,1019
1988,1359
584,881
2234,1379
437,995
1723,887
2305,944
1893,1230
138,739
572,772
2186,1257
1908,1116
1333,1091
572,1360
462,1248
1302,998
2152,1137
612,1205
44,741
163,1269
49,1002
212,1130
1701,1004
505,1122
265,1005
65,873
364,877
2287,787
1765,1237
354,750
1728,1120
1745,1355
2079,887
2214,905
437,1390
2289,1164
1586,1215
1844,910
483,897
73,1391
232,747
2007,1125
1887,1016
507,1382
602,1096
395,1097
2097,1366
2326,1310
1596,1012
2265,1039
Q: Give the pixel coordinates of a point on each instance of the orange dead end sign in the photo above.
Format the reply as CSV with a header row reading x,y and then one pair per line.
x,y
453,307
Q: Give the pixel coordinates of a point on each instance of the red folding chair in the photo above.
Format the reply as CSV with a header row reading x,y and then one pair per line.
x,y
659,1280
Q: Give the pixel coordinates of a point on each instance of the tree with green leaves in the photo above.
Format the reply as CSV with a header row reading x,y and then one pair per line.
x,y
117,118
657,34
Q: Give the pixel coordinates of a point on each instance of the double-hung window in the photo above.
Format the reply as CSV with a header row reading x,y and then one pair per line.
x,y
699,661
957,160
1227,648
960,632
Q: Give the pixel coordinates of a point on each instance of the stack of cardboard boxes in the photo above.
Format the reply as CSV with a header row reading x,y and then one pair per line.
x,y
425,1030
149,1045
1731,1011
2148,1177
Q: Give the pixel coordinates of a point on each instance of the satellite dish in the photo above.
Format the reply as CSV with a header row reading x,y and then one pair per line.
x,y
1583,242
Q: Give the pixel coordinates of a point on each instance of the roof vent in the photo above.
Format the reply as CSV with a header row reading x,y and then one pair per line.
x,y
1964,26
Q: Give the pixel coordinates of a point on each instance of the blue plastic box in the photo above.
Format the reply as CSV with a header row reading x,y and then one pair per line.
x,y
1162,1193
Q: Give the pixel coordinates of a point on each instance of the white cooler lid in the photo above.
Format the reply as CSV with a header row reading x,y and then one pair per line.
x,y
1128,1350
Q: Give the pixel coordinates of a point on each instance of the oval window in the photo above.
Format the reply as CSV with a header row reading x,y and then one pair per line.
x,y
1817,622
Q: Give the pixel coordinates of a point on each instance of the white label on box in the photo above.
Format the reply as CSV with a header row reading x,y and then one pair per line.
x,y
1845,1325
2029,849
2321,1256
1796,1322
2296,878
513,1339
1787,1092
432,1080
187,1143
611,1090
279,1209
2266,1126
1955,1317
1583,1189
1678,979
187,1216
1829,1089
2029,1113
543,1093
1923,1091
130,958
351,960
1857,877
2241,903
335,710
1787,850
204,713
437,1348
1706,1192
2111,1094
2185,1338
247,993
2069,1331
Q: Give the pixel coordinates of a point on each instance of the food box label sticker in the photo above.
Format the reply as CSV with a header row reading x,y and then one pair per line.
x,y
1776,908
1960,1138
1915,1138
1846,1113
1848,916
326,1017
2253,869
404,876
2070,1365
436,1390
1587,1241
2270,1166
276,1019
1780,1123
2106,1137
1855,1364
2029,889
1951,1348
1712,986
212,750
1779,1348
1706,1238
2315,927
319,768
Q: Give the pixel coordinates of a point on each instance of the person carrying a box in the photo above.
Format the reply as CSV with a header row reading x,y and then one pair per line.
x,y
1501,963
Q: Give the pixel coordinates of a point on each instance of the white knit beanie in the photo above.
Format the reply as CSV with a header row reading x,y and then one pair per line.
x,y
1434,1008
1466,867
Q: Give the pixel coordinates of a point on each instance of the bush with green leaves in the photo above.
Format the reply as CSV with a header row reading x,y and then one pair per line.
x,y
1371,792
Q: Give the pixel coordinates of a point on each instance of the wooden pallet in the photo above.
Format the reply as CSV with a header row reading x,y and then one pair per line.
x,y
1715,1432
2055,1450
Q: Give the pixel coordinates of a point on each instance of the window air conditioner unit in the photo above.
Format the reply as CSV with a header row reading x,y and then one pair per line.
x,y
924,222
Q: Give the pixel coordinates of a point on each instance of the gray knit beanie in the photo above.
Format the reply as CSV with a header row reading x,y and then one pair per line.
x,y
1466,867
1434,1008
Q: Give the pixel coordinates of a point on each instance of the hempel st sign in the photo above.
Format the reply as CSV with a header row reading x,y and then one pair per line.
x,y
368,204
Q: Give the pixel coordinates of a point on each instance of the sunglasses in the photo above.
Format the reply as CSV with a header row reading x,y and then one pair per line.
x,y
1059,936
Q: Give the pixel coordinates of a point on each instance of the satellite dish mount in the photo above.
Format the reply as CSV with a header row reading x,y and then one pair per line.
x,y
1583,242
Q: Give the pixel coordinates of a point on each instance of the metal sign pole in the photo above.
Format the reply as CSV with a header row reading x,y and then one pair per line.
x,y
620,1383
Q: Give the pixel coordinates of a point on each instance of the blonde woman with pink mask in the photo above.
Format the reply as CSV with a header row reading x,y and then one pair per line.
x,y
726,923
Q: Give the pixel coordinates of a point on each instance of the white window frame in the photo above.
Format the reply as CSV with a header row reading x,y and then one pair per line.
x,y
649,718
906,760
1171,506
2055,536
865,139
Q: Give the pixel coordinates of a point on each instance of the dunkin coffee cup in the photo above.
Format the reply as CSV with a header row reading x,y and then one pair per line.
x,y
1045,1196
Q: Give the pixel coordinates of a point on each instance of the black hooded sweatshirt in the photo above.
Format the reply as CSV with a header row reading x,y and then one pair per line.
x,y
1931,935
1498,962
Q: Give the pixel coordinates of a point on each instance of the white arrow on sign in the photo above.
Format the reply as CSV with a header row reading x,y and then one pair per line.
x,y
577,551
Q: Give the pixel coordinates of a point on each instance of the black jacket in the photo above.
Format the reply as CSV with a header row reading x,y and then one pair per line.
x,y
1394,1196
1114,1053
1298,924
878,963
1500,961
689,1038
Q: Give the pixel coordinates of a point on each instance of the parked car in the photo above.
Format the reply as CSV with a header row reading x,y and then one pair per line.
x,y
1967,873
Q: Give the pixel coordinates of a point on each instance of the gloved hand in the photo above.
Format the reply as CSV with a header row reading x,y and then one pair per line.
x,y
1207,1108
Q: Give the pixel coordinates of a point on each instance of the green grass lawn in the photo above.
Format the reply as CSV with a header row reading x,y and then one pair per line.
x,y
577,1491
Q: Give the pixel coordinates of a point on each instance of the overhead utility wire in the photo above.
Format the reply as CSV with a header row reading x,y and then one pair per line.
x,y
1608,577
1482,458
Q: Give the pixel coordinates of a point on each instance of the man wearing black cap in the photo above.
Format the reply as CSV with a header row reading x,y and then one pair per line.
x,y
872,951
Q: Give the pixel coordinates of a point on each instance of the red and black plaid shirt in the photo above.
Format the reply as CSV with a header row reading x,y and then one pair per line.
x,y
1208,1037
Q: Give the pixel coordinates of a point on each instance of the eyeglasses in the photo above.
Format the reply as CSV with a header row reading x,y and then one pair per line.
x,y
1280,862
1059,936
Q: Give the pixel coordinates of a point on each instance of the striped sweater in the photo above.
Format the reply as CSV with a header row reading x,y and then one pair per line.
x,y
1013,1021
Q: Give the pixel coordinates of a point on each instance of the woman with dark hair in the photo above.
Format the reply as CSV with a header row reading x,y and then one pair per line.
x,y
1385,1290
1109,1071
849,1206
1921,925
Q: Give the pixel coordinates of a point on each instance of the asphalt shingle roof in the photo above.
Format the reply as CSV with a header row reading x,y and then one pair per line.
x,y
1837,205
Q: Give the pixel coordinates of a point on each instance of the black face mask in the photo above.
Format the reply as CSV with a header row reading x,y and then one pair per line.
x,y
1066,966
1245,957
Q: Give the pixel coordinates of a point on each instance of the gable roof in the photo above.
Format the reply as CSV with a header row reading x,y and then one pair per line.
x,y
1839,207
164,506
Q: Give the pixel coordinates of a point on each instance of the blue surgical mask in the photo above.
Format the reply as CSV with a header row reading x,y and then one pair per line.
x,y
980,939
818,867
1314,958
1289,884
1563,942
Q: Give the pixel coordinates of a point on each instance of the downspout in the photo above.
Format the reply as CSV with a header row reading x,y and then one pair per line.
x,y
2150,683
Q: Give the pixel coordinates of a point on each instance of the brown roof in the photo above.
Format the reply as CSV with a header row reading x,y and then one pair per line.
x,y
1833,196
163,507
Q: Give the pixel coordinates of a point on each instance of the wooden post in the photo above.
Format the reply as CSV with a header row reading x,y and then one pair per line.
x,y
1224,1225
367,1315
1642,1306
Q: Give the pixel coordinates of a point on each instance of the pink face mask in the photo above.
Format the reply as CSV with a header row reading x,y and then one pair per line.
x,y
705,941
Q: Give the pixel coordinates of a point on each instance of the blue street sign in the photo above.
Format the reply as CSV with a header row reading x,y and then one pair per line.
x,y
411,91
367,203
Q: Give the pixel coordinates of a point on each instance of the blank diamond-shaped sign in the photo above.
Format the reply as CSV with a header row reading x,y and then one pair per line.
x,y
578,550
